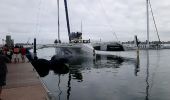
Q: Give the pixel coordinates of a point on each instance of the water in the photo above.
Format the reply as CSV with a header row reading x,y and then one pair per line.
x,y
109,78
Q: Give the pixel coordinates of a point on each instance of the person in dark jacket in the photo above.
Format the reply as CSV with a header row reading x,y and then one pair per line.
x,y
3,71
9,54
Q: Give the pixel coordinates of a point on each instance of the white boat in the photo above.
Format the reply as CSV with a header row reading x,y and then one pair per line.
x,y
76,46
147,44
125,54
74,49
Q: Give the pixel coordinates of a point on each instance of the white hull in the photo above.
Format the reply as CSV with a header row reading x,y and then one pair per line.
x,y
124,54
144,47
74,49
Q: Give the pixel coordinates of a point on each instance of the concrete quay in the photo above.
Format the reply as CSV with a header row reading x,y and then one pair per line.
x,y
23,83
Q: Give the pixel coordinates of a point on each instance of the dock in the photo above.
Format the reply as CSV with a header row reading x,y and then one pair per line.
x,y
23,83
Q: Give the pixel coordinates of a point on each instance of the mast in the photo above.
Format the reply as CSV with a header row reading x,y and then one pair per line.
x,y
81,27
58,21
147,16
67,19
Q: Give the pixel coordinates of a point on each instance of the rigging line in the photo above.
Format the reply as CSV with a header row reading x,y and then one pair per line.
x,y
107,19
154,20
37,20
89,11
115,36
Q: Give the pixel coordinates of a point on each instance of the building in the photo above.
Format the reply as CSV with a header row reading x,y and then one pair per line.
x,y
9,41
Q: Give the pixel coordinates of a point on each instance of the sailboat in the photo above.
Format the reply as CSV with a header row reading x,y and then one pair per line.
x,y
76,46
149,45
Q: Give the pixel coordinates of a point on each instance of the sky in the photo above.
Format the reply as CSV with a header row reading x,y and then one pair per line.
x,y
101,19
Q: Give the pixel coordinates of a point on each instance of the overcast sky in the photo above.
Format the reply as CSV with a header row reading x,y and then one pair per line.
x,y
26,19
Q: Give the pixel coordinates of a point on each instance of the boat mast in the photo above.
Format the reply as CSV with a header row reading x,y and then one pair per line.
x,y
147,15
81,27
67,19
58,21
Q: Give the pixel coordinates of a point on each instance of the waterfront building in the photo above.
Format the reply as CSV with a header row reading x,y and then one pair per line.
x,y
9,41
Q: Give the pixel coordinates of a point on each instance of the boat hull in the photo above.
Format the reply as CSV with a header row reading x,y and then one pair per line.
x,y
78,50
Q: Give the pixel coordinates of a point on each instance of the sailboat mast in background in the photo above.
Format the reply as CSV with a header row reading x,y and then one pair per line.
x,y
147,15
81,27
58,4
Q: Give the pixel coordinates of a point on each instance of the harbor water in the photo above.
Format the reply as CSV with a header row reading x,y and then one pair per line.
x,y
106,77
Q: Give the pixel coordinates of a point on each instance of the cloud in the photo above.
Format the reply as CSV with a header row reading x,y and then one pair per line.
x,y
25,19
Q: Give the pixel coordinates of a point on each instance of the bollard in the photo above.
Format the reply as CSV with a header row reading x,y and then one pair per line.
x,y
35,47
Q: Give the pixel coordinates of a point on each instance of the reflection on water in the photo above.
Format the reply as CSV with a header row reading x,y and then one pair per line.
x,y
147,77
137,67
106,77
69,87
43,67
60,92
110,61
76,66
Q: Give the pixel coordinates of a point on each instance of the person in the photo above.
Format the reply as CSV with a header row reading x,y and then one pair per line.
x,y
23,53
5,49
1,50
9,54
3,71
16,52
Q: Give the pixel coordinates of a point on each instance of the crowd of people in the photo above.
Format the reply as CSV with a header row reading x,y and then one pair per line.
x,y
14,53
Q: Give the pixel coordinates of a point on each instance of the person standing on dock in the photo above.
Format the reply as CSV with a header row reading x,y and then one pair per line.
x,y
9,54
3,71
5,49
23,53
16,53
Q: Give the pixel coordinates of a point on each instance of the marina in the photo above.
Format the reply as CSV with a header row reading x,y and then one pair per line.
x,y
84,50
108,77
